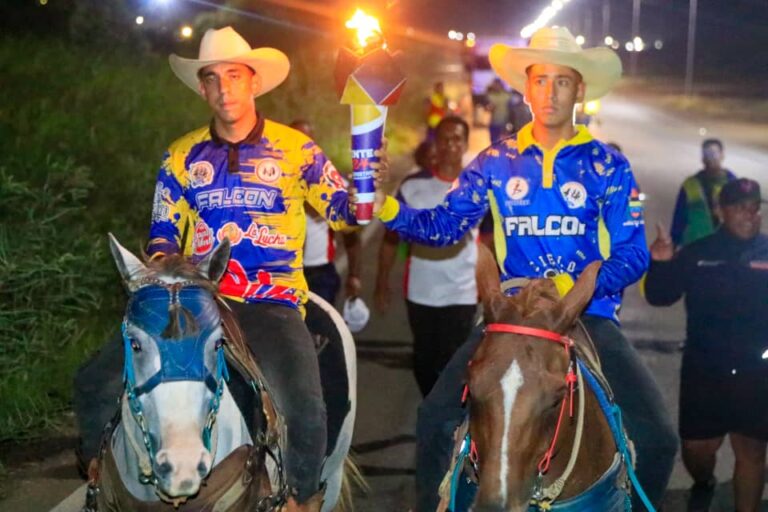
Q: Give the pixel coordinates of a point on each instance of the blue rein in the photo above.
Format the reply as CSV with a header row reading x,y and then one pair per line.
x,y
182,357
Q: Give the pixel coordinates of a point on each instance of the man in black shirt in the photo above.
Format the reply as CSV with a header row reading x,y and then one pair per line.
x,y
724,378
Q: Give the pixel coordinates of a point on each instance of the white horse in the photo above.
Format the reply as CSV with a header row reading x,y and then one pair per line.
x,y
181,433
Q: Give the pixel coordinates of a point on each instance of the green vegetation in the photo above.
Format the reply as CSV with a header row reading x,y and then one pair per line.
x,y
82,131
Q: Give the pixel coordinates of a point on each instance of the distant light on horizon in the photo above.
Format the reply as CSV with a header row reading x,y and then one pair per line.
x,y
658,44
186,32
608,41
139,20
471,36
615,44
629,46
638,43
580,40
452,34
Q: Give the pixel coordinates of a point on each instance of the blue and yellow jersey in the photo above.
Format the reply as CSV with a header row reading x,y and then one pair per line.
x,y
553,212
253,193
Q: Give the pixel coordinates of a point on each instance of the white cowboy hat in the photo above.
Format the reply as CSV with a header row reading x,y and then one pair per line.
x,y
599,67
226,45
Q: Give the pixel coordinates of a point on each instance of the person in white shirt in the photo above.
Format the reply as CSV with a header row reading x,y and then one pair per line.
x,y
441,293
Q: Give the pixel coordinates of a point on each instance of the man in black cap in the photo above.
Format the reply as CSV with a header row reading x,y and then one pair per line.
x,y
724,378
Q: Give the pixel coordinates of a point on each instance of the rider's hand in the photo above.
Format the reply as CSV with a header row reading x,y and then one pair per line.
x,y
382,297
353,286
662,248
381,175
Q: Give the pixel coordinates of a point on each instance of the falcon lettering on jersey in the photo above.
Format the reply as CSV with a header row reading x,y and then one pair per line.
x,y
236,197
552,225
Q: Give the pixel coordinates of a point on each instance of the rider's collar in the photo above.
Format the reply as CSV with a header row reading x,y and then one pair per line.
x,y
525,138
254,137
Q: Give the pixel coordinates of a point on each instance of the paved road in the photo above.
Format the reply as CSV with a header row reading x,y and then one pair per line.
x,y
663,149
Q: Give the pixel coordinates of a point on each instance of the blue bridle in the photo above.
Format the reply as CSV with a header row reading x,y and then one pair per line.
x,y
152,308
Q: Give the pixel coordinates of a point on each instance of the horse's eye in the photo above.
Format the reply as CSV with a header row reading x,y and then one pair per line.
x,y
135,345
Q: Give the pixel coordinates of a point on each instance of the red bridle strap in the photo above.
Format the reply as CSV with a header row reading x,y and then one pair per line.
x,y
531,331
570,377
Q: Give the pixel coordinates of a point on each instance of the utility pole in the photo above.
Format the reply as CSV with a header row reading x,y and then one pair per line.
x,y
635,33
606,18
689,59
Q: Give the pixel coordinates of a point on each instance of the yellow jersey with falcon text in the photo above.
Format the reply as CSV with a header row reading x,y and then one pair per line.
x,y
253,193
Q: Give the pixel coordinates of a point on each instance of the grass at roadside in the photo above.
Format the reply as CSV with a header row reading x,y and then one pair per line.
x,y
82,131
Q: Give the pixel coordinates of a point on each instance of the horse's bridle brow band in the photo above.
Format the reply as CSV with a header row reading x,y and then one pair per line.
x,y
531,331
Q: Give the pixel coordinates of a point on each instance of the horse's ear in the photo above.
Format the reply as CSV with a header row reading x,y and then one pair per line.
x,y
577,298
488,282
129,266
214,265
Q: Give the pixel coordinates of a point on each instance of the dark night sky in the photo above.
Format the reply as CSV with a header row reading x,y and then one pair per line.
x,y
732,35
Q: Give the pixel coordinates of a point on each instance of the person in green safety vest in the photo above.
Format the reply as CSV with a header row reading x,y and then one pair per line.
x,y
696,211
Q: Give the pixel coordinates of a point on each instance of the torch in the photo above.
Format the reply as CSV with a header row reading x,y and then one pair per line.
x,y
368,80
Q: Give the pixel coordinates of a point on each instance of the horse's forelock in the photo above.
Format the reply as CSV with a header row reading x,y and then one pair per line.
x,y
175,268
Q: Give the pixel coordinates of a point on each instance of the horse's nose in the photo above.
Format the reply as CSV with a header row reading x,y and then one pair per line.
x,y
204,466
165,466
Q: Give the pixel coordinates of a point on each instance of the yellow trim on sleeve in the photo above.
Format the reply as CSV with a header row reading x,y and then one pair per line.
x,y
389,209
499,240
603,238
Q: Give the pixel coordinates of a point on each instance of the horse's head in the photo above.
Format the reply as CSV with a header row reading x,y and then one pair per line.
x,y
517,382
174,364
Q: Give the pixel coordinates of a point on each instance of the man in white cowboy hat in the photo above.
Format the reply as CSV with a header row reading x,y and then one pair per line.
x,y
246,178
559,200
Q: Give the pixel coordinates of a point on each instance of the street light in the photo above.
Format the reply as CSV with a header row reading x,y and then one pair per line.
x,y
608,41
186,32
638,43
630,46
139,20
545,16
580,40
658,44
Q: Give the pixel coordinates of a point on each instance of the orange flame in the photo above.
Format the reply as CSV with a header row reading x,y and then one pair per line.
x,y
367,27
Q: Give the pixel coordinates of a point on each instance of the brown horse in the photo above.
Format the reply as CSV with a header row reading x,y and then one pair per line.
x,y
523,411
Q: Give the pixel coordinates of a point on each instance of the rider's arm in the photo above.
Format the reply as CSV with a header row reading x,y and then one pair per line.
x,y
622,214
447,223
170,212
326,192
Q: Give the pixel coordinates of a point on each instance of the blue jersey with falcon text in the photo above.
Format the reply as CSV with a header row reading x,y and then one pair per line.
x,y
554,212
